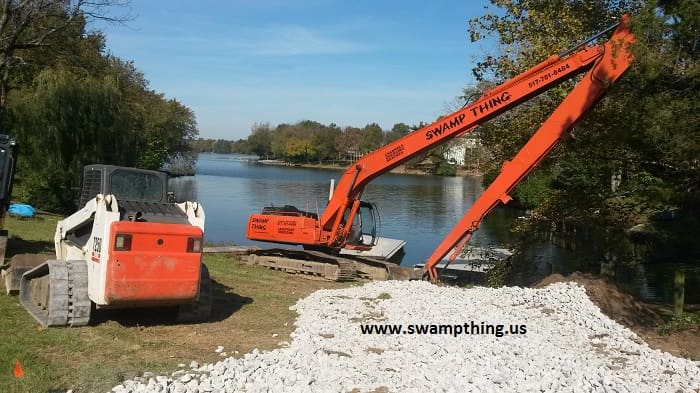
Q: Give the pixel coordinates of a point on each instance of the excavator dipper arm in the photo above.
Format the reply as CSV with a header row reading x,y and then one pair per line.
x,y
331,230
609,67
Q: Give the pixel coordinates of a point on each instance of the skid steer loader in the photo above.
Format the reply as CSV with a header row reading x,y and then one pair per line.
x,y
129,245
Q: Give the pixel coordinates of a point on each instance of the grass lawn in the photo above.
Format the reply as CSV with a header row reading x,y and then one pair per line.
x,y
251,304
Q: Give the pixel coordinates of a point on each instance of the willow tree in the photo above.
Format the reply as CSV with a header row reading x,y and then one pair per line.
x,y
28,25
65,122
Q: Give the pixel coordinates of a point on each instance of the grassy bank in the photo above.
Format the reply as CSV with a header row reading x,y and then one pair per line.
x,y
33,235
251,304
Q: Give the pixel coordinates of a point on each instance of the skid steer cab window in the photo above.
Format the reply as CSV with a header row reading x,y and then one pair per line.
x,y
135,186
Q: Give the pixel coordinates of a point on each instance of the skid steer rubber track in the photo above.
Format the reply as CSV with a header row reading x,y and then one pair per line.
x,y
56,293
200,309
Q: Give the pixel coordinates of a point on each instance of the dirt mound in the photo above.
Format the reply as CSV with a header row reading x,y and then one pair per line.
x,y
612,302
642,318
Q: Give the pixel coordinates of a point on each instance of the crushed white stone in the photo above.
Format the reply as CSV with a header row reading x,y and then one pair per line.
x,y
569,345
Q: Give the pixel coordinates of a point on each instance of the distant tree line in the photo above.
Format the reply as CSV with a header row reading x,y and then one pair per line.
x,y
219,146
312,142
70,103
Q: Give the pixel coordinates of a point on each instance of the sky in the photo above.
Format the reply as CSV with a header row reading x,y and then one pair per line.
x,y
349,62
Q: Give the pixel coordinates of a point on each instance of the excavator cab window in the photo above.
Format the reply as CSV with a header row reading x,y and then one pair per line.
x,y
370,218
363,231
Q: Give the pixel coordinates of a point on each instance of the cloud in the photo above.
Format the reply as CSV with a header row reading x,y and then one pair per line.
x,y
277,41
294,40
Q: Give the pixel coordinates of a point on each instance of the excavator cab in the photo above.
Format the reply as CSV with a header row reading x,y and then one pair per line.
x,y
364,232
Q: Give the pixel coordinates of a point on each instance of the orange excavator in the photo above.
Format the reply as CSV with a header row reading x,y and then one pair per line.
x,y
347,220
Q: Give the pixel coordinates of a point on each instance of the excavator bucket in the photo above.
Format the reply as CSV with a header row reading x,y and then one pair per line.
x,y
19,264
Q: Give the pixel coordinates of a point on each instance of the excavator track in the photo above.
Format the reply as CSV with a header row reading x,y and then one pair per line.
x,y
321,266
55,293
309,264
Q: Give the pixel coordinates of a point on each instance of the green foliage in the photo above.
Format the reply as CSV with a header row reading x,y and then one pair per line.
x,y
533,190
399,130
530,31
260,141
62,123
165,127
82,106
688,320
298,150
49,191
444,168
309,141
348,141
496,276
306,141
371,137
221,147
645,133
323,139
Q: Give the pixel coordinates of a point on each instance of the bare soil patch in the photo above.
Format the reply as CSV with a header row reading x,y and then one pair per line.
x,y
645,319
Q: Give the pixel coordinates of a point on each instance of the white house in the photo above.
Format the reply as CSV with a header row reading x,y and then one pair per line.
x,y
457,149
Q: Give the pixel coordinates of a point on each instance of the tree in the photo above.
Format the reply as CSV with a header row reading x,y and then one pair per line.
x,y
66,122
27,25
166,127
201,145
323,140
644,133
298,150
348,143
371,137
221,147
399,130
74,105
260,140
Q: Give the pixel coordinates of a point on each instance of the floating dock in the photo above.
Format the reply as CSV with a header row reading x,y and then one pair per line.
x,y
387,249
474,265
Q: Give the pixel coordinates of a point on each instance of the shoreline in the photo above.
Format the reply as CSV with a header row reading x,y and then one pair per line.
x,y
400,170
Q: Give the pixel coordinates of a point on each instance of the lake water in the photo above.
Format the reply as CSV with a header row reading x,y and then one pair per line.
x,y
418,209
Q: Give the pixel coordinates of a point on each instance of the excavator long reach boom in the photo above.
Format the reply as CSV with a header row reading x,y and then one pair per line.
x,y
607,68
604,64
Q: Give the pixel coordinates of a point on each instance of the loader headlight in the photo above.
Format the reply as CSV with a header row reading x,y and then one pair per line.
x,y
194,244
122,242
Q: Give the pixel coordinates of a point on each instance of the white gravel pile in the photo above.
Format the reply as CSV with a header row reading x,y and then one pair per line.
x,y
568,346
